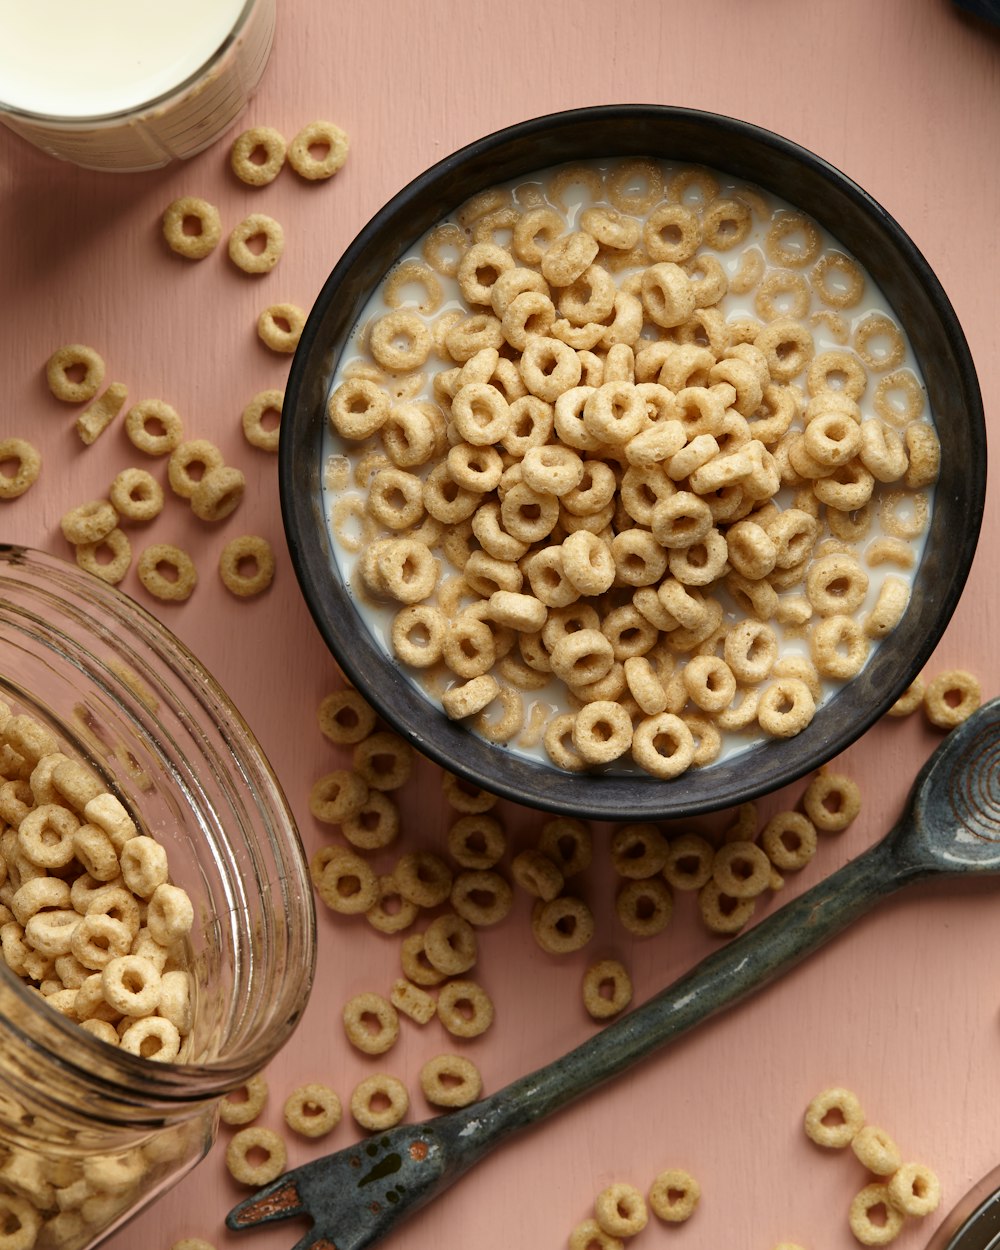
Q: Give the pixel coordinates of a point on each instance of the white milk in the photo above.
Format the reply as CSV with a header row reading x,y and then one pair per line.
x,y
129,84
379,616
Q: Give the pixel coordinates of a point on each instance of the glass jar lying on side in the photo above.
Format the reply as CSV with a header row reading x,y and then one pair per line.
x,y
90,1133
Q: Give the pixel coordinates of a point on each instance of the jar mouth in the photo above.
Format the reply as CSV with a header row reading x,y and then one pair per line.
x,y
126,696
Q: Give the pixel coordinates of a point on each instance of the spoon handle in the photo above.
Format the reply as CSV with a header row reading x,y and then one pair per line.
x,y
720,980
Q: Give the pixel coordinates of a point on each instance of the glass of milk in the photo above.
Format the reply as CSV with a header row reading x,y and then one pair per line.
x,y
129,85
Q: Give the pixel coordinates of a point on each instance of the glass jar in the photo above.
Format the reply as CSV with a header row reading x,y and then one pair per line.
x,y
179,77
89,1134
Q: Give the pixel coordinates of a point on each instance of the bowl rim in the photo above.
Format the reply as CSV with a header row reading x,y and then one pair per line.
x,y
390,232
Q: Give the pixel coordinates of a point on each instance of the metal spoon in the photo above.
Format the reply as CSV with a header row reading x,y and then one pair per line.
x,y
951,825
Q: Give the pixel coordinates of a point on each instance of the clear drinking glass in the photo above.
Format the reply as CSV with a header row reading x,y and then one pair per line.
x,y
89,1134
179,119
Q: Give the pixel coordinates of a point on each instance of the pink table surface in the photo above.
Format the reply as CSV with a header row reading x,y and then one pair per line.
x,y
904,96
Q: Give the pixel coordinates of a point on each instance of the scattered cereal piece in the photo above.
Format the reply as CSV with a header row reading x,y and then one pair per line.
x,y
153,427
63,366
674,1195
93,421
246,565
167,572
588,1235
192,227
621,1210
379,1102
915,1189
269,143
364,1011
412,1001
465,1009
312,1110
254,1141
218,493
874,1219
89,522
606,975
243,1110
833,1118
911,698
450,1081
188,464
112,570
330,144
26,463
343,880
256,226
280,325
477,841
876,1150
257,434
136,495
337,796
467,798
562,925
831,801
951,698
345,717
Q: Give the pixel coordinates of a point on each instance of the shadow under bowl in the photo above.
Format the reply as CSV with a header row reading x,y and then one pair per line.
x,y
863,228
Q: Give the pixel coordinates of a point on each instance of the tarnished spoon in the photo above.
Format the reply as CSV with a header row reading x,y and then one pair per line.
x,y
951,825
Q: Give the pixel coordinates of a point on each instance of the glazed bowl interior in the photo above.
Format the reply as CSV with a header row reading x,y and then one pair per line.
x,y
863,228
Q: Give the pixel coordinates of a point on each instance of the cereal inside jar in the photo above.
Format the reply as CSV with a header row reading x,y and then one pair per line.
x,y
629,466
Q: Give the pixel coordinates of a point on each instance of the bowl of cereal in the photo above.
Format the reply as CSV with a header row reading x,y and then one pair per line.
x,y
610,462
157,933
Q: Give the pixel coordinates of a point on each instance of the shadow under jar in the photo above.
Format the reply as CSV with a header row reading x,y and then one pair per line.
x,y
89,1134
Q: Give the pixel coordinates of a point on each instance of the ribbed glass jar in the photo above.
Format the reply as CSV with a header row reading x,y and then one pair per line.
x,y
89,1133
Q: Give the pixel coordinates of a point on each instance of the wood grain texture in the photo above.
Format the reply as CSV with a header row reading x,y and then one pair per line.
x,y
904,97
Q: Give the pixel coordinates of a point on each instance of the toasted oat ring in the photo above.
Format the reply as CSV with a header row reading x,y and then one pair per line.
x,y
839,647
621,1210
779,251
254,430
782,294
218,493
69,359
246,565
88,522
562,924
869,1231
663,745
850,283
361,1009
242,1111
188,464
345,717
318,134
312,1110
879,327
19,452
726,223
482,897
149,412
379,1102
424,878
279,327
450,1081
263,139
450,944
951,697
915,1189
465,1009
833,1118
256,226
786,707
911,698
674,1195
391,919
638,851
197,245
136,495
619,180
789,840
171,588
612,975
400,341
876,1151
645,907
689,862
249,1140
602,731
588,1235
113,570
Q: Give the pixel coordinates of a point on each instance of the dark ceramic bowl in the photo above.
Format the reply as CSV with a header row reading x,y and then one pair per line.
x,y
863,228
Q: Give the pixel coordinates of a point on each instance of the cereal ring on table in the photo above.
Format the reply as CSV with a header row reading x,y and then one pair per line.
x,y
720,912
167,572
112,570
391,913
384,760
87,522
258,227
567,842
379,1102
318,151
876,1151
74,373
345,717
337,796
785,707
838,647
663,745
218,493
450,944
262,141
588,1235
621,1210
645,907
911,698
602,731
375,825
873,1217
312,1110
472,800
371,1023
246,565
189,462
415,964
424,878
255,1141
279,327
833,1118
689,862
343,880
914,1189
414,1002
482,897
153,1037
951,697
136,495
255,431
465,1009
741,869
450,1081
607,989
674,1195
562,924
26,463
638,851
789,840
537,874
192,227
153,427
